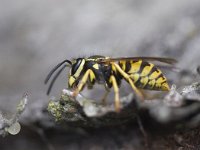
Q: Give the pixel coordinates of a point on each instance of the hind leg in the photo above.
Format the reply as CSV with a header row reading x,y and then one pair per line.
x,y
116,90
127,77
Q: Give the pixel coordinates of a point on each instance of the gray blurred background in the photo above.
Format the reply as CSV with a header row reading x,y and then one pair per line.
x,y
35,35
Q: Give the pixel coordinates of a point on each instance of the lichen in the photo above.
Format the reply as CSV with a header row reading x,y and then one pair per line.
x,y
86,112
12,125
80,111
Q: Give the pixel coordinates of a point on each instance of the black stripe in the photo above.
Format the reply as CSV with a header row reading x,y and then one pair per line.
x,y
142,66
76,66
153,70
128,66
163,83
161,75
137,83
147,86
118,78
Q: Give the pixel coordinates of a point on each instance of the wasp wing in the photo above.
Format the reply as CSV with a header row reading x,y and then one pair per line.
x,y
170,61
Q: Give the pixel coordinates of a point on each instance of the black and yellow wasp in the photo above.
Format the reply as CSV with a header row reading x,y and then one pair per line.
x,y
137,71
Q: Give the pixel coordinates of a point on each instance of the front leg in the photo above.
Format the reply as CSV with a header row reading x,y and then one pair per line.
x,y
82,83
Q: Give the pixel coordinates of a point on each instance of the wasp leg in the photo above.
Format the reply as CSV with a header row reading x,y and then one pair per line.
x,y
127,77
116,90
82,83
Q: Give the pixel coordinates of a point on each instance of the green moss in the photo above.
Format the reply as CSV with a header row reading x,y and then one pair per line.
x,y
55,109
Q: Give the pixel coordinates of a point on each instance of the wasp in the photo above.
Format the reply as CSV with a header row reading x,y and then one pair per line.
x,y
138,72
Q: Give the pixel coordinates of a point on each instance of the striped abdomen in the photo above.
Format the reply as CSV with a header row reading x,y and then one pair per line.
x,y
145,75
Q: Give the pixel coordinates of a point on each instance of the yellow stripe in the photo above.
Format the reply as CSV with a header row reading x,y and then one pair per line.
x,y
113,68
123,65
165,86
152,83
80,68
92,76
96,66
155,74
134,77
135,66
160,80
144,81
146,70
71,81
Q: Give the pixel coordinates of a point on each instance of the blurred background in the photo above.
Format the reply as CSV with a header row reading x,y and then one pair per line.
x,y
35,35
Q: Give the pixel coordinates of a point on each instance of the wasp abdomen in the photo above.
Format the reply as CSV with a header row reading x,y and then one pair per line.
x,y
145,75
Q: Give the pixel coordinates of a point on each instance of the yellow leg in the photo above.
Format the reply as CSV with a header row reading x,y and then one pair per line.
x,y
81,83
127,77
116,90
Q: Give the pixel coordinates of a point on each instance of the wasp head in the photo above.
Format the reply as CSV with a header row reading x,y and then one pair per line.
x,y
76,72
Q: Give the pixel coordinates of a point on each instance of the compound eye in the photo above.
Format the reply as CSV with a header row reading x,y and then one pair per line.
x,y
75,66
